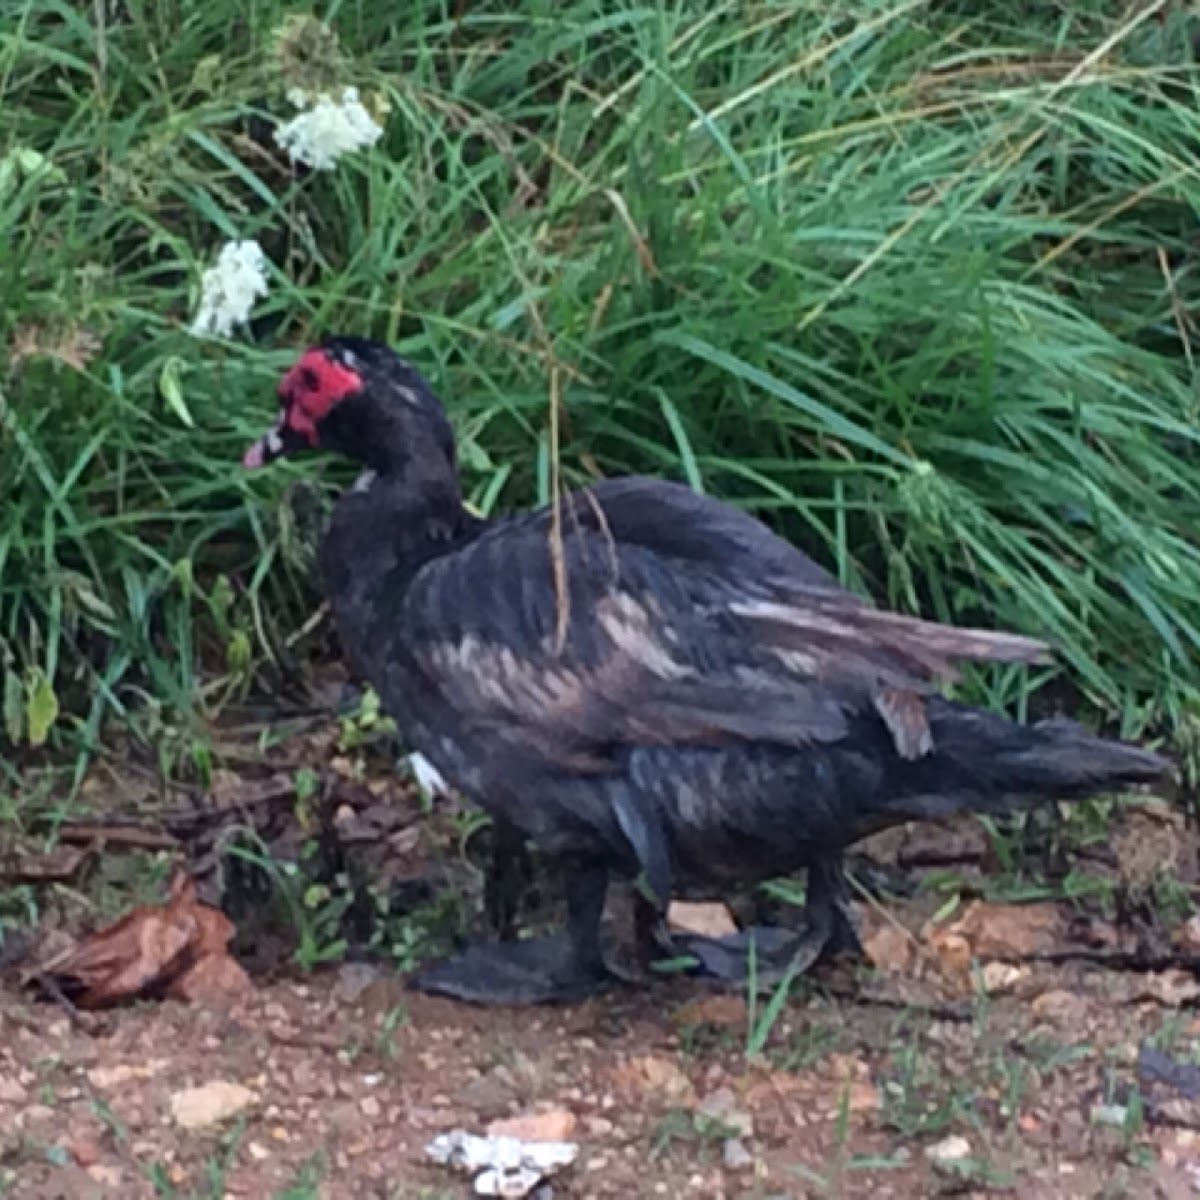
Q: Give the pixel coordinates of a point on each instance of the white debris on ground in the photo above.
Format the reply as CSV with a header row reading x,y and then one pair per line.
x,y
428,778
502,1166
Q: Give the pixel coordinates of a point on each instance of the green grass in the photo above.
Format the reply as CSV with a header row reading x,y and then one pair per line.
x,y
911,280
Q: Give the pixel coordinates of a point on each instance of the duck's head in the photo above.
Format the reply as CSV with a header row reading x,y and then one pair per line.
x,y
358,398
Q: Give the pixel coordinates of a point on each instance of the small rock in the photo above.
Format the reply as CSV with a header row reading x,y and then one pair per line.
x,y
11,1092
1000,977
106,1078
724,1009
721,1106
861,1097
109,1177
210,1104
598,1127
353,979
1172,987
1190,933
557,1125
1110,1114
704,920
370,1107
1058,1006
84,1151
949,1150
736,1157
490,1093
659,1076
381,996
258,1151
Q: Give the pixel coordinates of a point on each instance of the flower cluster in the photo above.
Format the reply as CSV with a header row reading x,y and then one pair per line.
x,y
328,130
319,136
229,289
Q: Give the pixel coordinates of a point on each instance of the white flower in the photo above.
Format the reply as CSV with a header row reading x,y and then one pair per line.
x,y
327,131
228,290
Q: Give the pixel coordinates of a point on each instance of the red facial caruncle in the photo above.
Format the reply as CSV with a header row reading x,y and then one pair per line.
x,y
306,394
311,388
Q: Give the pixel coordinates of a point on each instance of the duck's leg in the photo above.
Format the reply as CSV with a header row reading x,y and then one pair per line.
x,y
507,878
829,929
562,968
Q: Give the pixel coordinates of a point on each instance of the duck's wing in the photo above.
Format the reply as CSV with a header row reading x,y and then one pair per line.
x,y
622,630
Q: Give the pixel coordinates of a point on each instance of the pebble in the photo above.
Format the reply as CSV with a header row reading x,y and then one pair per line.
x,y
557,1125
487,1095
1110,1114
1001,976
949,1150
210,1104
370,1107
106,1078
1058,1006
11,1092
736,1157
84,1151
721,1106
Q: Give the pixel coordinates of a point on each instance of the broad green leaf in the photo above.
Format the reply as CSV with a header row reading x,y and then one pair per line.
x,y
41,707
170,384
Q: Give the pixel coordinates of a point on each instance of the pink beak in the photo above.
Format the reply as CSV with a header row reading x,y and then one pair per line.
x,y
266,449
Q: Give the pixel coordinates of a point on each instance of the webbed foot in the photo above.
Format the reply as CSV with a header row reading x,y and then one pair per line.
x,y
769,954
543,970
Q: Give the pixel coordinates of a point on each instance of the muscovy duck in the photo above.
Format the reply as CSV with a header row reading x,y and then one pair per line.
x,y
646,681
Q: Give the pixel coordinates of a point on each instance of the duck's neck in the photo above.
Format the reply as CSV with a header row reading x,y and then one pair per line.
x,y
384,530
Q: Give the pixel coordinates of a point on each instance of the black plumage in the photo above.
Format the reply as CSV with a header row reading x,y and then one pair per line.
x,y
647,681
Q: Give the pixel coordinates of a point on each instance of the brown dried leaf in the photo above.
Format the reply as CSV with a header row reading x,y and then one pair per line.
x,y
75,347
1006,931
214,931
891,948
120,962
952,952
179,947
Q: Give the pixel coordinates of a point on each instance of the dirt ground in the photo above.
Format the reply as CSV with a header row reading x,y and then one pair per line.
x,y
1002,1039
849,1099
